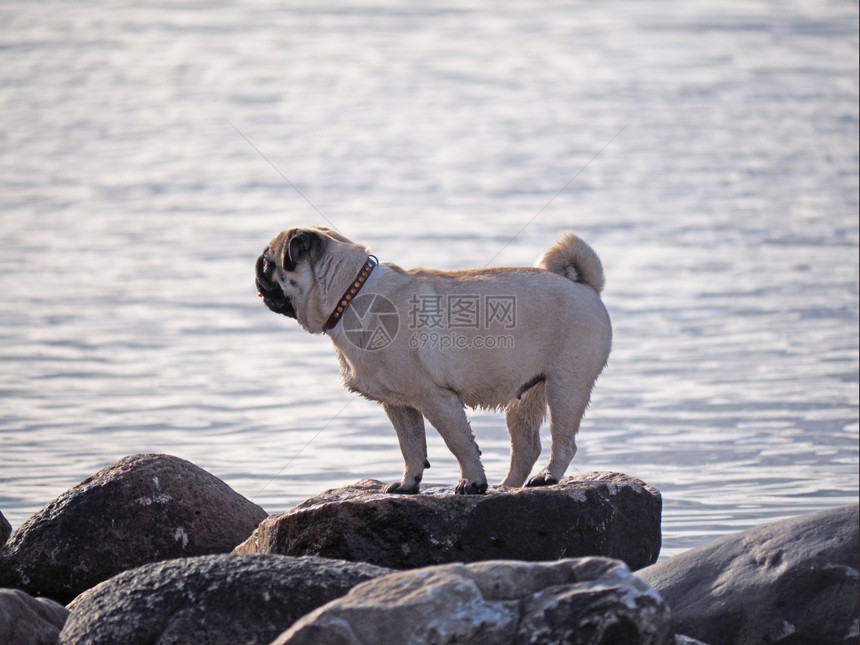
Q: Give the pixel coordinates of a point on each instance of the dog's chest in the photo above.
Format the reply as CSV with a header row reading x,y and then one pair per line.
x,y
367,380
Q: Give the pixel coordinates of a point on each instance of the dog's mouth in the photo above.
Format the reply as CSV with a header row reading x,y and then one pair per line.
x,y
270,291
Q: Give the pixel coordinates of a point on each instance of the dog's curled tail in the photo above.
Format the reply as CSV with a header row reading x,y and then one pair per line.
x,y
572,258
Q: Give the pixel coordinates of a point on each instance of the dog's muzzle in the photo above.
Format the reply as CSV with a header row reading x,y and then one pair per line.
x,y
271,292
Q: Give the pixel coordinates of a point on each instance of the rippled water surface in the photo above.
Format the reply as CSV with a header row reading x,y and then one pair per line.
x,y
148,152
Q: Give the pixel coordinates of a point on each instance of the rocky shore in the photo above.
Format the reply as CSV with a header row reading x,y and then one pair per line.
x,y
154,549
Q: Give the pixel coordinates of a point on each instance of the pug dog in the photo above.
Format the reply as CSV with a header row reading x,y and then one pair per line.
x,y
426,344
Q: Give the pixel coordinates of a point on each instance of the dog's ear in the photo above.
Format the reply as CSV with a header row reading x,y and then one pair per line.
x,y
302,243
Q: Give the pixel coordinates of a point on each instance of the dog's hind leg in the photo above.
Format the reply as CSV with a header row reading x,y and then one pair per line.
x,y
524,417
445,411
409,426
567,403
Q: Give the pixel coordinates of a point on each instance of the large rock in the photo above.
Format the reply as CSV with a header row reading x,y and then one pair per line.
x,y
216,599
5,529
581,601
25,620
604,514
143,508
794,581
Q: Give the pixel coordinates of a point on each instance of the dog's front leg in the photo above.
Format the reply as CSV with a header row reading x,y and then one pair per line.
x,y
409,426
445,411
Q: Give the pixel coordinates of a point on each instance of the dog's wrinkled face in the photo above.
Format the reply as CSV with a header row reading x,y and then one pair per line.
x,y
304,271
269,287
279,275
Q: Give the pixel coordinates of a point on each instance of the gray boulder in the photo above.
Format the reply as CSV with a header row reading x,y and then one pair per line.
x,y
216,599
5,528
580,601
143,508
604,514
794,581
25,620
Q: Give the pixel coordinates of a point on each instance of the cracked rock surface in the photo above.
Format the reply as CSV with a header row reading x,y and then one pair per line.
x,y
579,601
597,514
793,581
218,599
143,508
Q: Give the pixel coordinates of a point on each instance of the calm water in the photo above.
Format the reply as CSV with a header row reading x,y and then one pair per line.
x,y
146,155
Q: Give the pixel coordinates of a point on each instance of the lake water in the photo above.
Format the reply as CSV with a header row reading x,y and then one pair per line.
x,y
149,151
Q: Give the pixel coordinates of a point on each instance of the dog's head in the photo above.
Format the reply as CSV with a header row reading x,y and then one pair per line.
x,y
304,271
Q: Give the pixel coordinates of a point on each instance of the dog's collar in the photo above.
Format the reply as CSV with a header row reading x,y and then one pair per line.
x,y
351,292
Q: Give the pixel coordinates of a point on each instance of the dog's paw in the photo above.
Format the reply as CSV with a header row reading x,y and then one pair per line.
x,y
468,487
399,488
544,479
